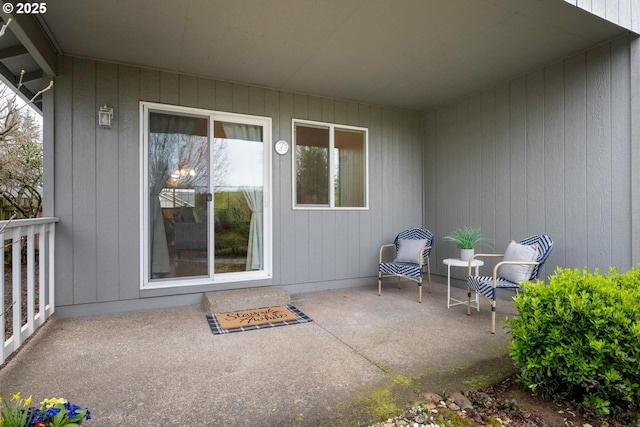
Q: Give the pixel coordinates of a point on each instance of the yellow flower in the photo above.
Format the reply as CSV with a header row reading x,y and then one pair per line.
x,y
47,403
27,401
16,396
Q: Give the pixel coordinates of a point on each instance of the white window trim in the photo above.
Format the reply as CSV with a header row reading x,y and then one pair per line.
x,y
332,127
214,278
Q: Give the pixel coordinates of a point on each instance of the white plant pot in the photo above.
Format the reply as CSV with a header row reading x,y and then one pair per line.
x,y
465,254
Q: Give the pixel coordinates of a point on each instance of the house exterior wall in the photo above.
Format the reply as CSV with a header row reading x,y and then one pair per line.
x,y
625,13
554,151
97,197
635,148
549,152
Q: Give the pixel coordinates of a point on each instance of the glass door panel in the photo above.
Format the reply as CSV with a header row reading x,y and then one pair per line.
x,y
238,186
178,177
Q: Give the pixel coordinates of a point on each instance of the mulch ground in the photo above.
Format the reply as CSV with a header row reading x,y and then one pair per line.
x,y
508,403
9,298
512,400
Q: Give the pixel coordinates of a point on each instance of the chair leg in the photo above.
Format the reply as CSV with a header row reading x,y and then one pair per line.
x,y
493,316
420,291
379,284
468,301
429,274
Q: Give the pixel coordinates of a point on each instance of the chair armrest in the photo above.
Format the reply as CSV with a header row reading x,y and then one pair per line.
x,y
426,248
481,256
501,263
382,249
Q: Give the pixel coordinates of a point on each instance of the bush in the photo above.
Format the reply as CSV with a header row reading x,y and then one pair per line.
x,y
578,338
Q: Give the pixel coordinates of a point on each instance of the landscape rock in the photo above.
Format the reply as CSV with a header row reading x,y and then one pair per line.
x,y
431,397
461,400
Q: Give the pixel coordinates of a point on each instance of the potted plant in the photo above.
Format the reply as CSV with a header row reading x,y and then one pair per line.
x,y
467,239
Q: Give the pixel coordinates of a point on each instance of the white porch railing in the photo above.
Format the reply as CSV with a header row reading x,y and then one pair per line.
x,y
26,245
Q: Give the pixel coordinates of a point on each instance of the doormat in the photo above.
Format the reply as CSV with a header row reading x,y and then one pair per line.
x,y
257,318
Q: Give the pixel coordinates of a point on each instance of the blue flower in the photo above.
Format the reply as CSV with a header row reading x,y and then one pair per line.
x,y
52,412
71,409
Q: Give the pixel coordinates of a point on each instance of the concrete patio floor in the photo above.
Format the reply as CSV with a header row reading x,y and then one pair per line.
x,y
165,368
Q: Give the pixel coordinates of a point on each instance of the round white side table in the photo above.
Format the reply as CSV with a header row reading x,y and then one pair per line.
x,y
456,262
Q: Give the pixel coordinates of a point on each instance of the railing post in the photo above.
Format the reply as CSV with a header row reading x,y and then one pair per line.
x,y
52,270
42,279
3,313
31,295
16,294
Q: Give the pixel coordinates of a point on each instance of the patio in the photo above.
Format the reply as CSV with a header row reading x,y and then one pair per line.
x,y
515,116
165,368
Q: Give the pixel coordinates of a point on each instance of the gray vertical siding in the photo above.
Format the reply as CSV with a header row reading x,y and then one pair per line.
x,y
83,197
128,86
549,152
97,175
106,196
635,147
62,183
625,13
554,178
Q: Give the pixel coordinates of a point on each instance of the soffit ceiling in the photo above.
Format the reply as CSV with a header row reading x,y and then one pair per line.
x,y
18,68
401,53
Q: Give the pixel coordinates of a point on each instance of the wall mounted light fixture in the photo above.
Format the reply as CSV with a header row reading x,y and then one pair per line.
x,y
105,114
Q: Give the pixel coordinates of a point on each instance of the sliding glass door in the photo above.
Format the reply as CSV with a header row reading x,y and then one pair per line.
x,y
205,176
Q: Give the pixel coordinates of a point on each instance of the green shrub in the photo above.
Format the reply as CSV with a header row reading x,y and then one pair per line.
x,y
578,338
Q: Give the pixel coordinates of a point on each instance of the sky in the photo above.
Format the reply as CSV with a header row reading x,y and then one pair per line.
x,y
10,91
245,163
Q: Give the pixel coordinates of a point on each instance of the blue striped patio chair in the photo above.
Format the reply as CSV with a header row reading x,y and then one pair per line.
x,y
521,262
412,251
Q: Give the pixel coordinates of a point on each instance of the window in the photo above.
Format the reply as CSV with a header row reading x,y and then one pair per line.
x,y
177,197
330,166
